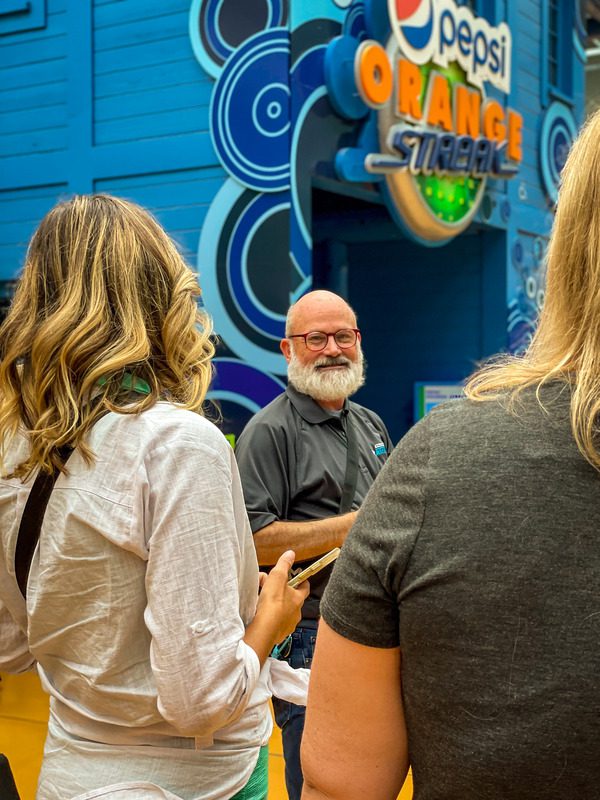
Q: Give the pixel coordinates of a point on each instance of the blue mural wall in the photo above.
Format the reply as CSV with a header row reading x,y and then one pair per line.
x,y
242,127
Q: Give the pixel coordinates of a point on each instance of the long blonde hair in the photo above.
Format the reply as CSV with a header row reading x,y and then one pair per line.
x,y
566,344
104,293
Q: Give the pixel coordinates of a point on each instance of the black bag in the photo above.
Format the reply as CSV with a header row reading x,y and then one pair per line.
x,y
8,788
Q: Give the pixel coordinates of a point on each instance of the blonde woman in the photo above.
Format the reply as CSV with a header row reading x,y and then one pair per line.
x,y
461,626
141,608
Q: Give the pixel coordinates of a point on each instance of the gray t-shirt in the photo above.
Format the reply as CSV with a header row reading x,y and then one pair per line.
x,y
292,462
478,552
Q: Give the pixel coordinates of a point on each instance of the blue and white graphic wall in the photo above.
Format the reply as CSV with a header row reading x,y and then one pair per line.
x,y
261,135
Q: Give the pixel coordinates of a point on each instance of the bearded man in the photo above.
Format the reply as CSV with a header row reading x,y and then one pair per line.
x,y
307,461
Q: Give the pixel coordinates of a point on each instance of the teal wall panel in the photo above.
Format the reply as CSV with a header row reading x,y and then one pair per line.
x,y
20,212
179,199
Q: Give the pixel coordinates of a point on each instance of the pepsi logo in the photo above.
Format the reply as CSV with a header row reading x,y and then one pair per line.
x,y
415,19
441,32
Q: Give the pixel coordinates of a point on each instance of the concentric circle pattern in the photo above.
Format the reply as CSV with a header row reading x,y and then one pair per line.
x,y
250,113
557,135
244,384
218,27
355,23
254,252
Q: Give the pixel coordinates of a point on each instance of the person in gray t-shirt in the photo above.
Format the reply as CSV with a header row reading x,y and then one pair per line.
x,y
294,458
460,629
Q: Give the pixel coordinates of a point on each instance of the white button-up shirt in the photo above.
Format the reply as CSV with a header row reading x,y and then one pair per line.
x,y
139,593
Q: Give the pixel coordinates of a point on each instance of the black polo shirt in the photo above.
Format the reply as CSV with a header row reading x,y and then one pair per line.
x,y
292,461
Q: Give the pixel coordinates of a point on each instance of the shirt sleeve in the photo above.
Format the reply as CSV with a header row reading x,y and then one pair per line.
x,y
261,453
384,432
361,599
387,439
201,584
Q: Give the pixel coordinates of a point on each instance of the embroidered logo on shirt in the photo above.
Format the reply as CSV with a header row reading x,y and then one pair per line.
x,y
379,449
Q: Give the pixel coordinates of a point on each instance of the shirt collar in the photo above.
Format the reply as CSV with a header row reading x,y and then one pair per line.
x,y
309,409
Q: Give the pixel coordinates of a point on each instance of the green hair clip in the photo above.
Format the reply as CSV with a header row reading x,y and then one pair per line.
x,y
132,383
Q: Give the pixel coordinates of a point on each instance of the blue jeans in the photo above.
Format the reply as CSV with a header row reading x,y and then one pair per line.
x,y
290,717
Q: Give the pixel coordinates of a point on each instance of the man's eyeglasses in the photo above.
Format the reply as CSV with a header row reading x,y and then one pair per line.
x,y
317,340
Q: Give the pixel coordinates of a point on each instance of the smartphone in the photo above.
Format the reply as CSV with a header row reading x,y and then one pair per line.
x,y
315,567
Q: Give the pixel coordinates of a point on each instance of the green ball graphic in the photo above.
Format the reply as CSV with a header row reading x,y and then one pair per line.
x,y
449,198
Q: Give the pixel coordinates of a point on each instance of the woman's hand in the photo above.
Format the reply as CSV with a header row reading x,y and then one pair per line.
x,y
278,610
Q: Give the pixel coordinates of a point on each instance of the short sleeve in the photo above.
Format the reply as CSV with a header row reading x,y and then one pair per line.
x,y
384,433
262,462
388,441
361,601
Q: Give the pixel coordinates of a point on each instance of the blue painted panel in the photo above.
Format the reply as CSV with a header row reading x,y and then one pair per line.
x,y
35,97
169,73
111,14
180,200
529,14
18,233
194,96
183,185
529,68
143,55
35,119
30,170
39,74
146,29
18,16
562,83
11,260
134,158
151,126
44,141
527,97
137,54
20,213
36,47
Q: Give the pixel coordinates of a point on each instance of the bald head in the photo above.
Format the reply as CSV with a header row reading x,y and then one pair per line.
x,y
334,371
314,310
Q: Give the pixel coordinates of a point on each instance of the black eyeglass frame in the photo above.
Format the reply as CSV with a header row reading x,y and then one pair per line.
x,y
355,331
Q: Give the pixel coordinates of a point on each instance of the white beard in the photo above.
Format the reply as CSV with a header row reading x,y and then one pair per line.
x,y
327,386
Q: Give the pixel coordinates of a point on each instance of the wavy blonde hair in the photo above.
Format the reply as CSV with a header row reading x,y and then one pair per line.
x,y
566,344
104,292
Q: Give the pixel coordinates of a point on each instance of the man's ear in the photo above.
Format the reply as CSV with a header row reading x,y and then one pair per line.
x,y
286,348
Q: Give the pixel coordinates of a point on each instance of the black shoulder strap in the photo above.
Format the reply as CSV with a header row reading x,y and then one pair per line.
x,y
351,476
31,521
35,507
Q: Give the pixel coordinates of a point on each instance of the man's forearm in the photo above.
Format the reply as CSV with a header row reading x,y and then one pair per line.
x,y
307,539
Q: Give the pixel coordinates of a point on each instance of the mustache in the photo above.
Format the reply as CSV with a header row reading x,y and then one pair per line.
x,y
332,361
